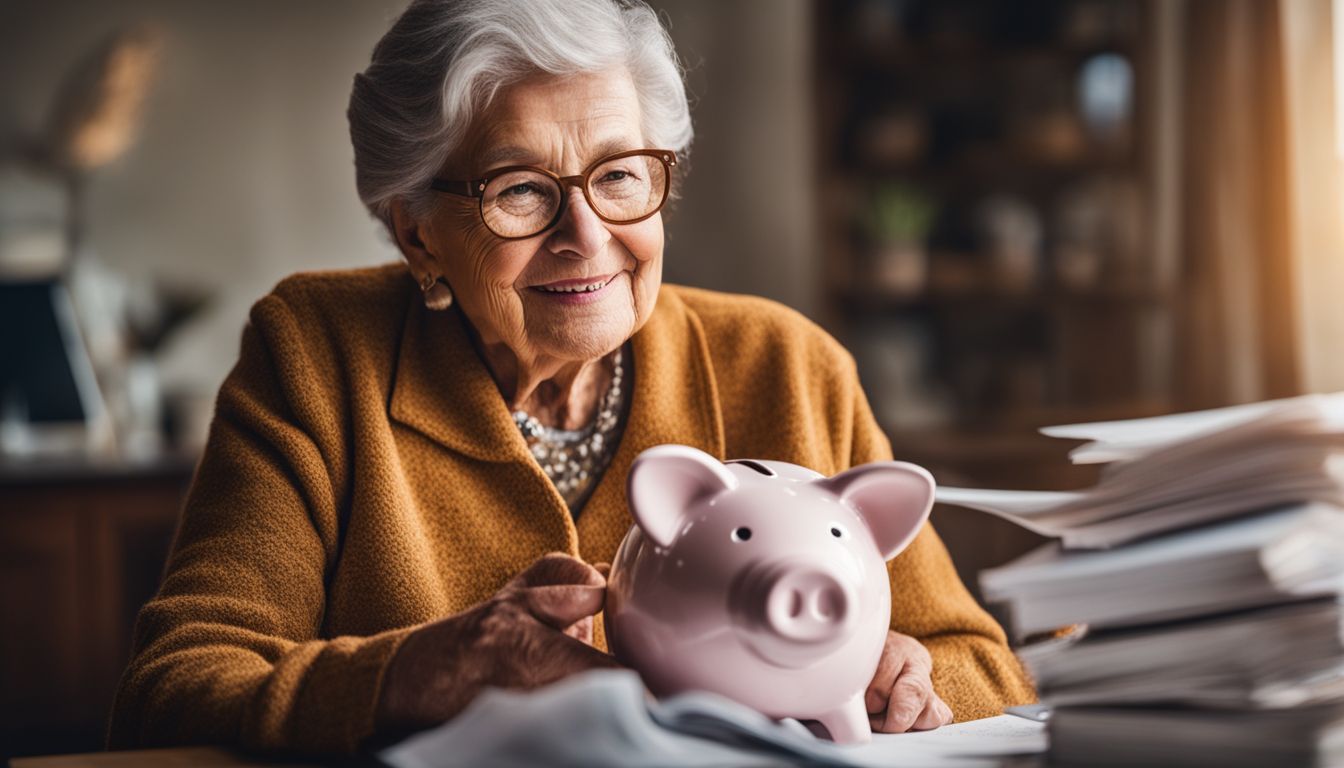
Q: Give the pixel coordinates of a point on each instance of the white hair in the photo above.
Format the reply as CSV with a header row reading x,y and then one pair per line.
x,y
443,61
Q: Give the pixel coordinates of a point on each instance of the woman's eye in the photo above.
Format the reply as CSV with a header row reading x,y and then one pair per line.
x,y
613,176
518,190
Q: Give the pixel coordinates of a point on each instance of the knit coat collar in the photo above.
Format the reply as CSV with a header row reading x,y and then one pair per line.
x,y
442,389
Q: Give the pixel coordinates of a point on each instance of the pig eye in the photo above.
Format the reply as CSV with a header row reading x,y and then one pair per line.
x,y
742,534
838,532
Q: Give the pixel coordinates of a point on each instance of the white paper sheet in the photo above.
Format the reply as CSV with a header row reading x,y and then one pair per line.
x,y
993,736
603,718
1120,440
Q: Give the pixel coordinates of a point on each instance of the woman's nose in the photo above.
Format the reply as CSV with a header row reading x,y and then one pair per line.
x,y
580,233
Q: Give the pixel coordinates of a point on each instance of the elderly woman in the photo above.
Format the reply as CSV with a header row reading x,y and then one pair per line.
x,y
412,467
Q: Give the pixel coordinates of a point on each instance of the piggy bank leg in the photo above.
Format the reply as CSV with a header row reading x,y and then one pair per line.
x,y
849,723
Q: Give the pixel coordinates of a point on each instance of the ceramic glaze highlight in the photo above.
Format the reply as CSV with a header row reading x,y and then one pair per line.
x,y
762,581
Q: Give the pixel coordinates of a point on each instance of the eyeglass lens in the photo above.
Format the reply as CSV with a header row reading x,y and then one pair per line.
x,y
522,203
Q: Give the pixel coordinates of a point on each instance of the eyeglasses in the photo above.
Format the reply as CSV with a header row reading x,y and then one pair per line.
x,y
521,200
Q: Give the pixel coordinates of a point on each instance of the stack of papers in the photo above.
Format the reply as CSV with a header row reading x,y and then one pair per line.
x,y
1275,658
1197,738
1201,579
1181,471
1286,554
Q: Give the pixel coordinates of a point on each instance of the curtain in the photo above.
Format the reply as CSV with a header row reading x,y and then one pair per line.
x,y
1316,174
1238,335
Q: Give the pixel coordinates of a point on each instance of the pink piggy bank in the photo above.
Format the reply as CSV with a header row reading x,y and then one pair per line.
x,y
762,581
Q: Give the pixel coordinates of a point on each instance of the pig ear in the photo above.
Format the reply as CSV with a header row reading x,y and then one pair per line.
x,y
667,479
892,497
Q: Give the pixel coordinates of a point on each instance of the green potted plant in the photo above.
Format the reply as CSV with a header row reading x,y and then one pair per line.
x,y
897,223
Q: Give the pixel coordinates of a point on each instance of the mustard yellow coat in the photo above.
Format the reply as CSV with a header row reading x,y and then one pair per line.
x,y
364,475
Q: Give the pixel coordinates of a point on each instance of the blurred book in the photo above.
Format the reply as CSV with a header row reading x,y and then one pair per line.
x,y
1189,737
1174,472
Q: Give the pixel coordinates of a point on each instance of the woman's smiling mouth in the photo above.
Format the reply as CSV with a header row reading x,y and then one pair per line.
x,y
577,290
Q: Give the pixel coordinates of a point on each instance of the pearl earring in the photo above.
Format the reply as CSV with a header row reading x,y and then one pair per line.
x,y
438,296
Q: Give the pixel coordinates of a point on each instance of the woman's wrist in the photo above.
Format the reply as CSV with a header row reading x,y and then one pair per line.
x,y
426,682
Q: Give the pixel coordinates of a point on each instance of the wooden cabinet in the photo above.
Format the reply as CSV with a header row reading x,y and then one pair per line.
x,y
995,232
82,547
989,218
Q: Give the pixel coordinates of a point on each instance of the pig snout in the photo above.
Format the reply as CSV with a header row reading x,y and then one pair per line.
x,y
808,606
793,612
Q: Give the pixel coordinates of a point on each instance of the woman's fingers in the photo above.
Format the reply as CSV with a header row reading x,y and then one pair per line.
x,y
879,690
552,656
559,590
558,656
935,714
900,696
581,630
536,630
558,568
909,696
560,606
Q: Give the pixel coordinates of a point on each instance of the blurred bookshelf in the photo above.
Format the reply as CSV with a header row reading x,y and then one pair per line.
x,y
990,217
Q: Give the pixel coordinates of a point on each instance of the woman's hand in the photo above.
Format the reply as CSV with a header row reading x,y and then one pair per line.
x,y
534,631
900,698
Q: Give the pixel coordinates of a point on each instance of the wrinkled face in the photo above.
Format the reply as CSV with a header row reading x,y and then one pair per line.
x,y
509,288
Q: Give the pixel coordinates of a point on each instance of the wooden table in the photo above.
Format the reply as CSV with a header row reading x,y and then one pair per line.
x,y
184,757
82,546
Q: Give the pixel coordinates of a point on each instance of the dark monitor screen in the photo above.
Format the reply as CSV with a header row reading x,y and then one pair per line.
x,y
42,358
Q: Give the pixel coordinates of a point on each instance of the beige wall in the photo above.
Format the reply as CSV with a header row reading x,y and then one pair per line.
x,y
243,173
747,223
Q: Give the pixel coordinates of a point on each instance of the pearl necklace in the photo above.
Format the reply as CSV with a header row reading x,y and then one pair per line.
x,y
573,459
